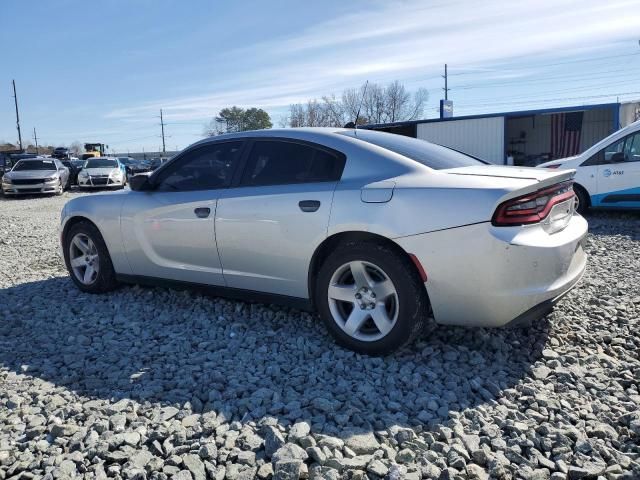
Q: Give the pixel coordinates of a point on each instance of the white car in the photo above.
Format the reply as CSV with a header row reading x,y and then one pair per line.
x,y
102,172
377,232
607,174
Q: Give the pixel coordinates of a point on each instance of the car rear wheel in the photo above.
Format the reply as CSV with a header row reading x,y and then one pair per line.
x,y
371,298
88,260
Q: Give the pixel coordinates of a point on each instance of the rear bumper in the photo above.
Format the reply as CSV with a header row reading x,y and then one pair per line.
x,y
486,276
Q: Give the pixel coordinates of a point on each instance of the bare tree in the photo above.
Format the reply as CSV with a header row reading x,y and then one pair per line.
x,y
376,104
76,148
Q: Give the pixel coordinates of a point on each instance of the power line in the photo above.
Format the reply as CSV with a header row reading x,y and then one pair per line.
x,y
628,83
562,99
546,79
567,62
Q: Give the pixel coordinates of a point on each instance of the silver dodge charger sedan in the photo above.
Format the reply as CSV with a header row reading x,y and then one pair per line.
x,y
378,233
36,175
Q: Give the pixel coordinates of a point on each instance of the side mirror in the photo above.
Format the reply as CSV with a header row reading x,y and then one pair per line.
x,y
617,157
140,183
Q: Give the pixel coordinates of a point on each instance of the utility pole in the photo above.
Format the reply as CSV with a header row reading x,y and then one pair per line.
x,y
162,126
15,99
35,137
446,88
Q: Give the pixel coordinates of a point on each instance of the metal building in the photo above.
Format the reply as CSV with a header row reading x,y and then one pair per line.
x,y
522,138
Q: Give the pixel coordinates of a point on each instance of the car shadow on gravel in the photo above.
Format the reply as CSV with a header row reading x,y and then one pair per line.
x,y
249,361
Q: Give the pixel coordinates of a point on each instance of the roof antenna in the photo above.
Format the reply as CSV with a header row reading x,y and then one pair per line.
x,y
354,124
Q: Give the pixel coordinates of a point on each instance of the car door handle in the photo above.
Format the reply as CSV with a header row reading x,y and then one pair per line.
x,y
202,212
309,205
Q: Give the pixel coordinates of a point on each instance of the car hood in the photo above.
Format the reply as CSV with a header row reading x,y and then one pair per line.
x,y
24,174
101,171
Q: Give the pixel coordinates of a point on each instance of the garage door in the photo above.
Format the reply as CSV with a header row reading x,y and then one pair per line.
x,y
480,137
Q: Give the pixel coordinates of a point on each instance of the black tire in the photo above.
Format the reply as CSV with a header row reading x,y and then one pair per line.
x,y
413,303
583,199
106,279
61,186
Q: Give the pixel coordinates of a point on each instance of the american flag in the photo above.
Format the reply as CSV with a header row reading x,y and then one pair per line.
x,y
565,134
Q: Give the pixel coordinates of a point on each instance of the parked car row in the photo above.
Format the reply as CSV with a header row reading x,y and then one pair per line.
x,y
33,174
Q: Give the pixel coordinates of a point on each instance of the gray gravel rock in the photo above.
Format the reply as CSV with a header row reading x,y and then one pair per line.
x,y
195,466
360,441
289,451
155,383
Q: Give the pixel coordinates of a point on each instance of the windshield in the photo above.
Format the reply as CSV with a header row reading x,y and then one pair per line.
x,y
102,163
429,154
127,161
34,165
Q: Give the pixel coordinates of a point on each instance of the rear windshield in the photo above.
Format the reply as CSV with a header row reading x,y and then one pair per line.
x,y
429,154
35,165
102,163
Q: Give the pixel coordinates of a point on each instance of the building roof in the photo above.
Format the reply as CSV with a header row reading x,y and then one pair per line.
x,y
517,113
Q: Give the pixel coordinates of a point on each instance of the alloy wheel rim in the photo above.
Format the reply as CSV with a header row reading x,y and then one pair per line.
x,y
83,258
363,301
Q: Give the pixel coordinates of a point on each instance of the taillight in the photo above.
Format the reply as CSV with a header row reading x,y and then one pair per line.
x,y
533,207
555,165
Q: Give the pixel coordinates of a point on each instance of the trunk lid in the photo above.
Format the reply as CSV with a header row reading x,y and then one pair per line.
x,y
537,178
558,207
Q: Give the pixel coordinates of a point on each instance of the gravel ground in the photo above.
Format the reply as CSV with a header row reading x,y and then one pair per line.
x,y
153,383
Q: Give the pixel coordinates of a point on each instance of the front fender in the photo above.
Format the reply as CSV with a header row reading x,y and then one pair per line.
x,y
103,210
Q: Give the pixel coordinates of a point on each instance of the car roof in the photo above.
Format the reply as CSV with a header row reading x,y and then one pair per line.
x,y
301,133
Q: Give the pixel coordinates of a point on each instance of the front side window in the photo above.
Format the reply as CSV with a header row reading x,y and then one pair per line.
x,y
204,168
613,153
632,148
273,162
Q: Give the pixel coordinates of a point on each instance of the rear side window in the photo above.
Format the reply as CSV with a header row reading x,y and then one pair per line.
x,y
281,163
429,154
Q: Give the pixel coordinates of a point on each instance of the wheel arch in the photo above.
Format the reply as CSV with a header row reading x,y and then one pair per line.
x,y
74,220
330,243
578,186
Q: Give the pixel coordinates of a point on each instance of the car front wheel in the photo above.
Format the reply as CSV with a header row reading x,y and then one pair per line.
x,y
371,298
582,200
88,260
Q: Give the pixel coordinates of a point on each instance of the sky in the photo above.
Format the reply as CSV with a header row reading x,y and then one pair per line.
x,y
101,71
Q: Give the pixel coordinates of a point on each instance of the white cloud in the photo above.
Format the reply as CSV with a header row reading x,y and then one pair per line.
x,y
403,39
